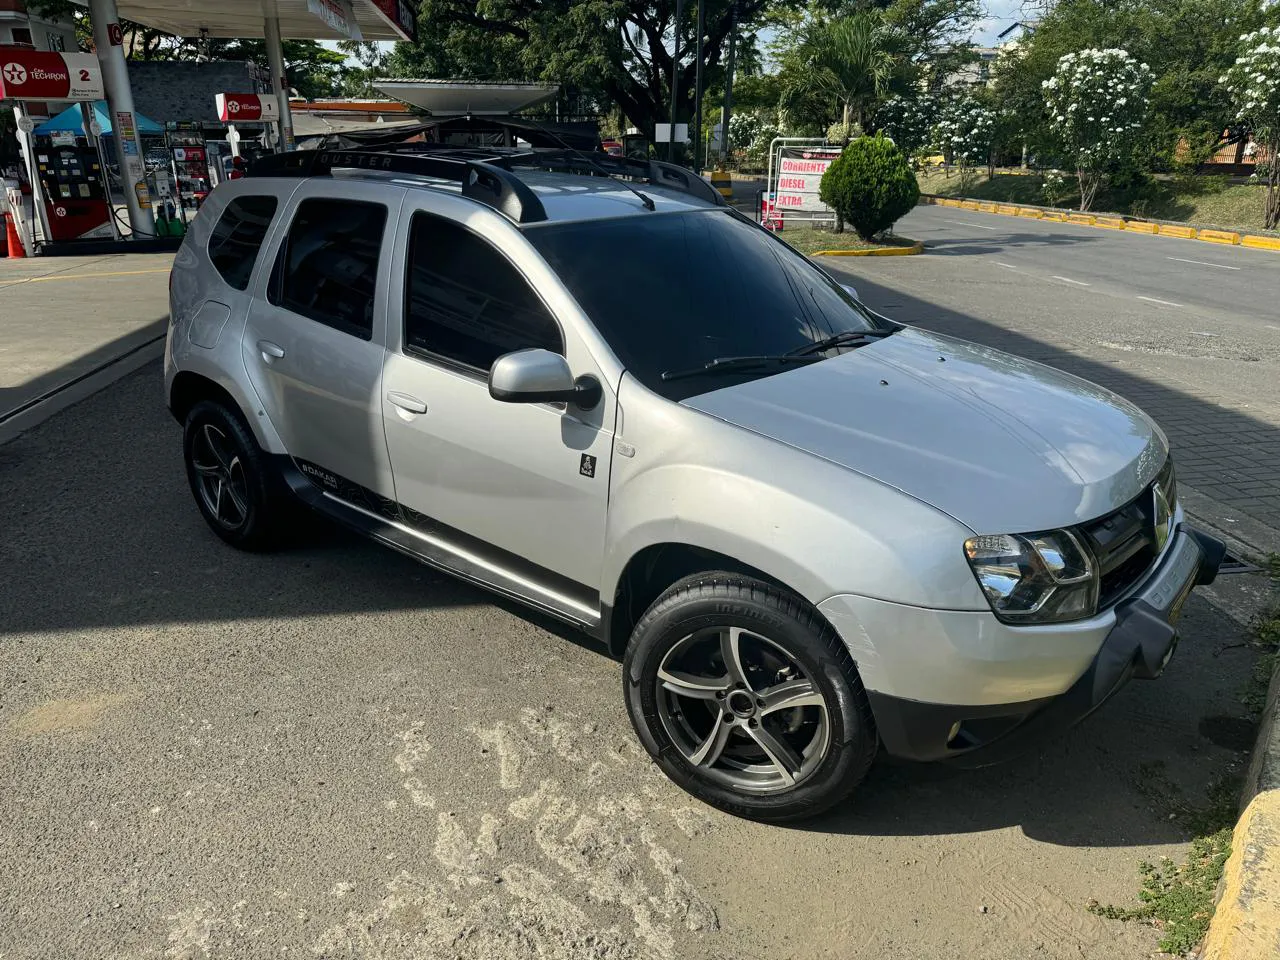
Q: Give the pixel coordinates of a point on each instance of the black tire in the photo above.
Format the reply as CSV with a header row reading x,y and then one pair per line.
x,y
250,508
767,622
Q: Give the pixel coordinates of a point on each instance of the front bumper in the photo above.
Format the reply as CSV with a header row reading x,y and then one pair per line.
x,y
1138,645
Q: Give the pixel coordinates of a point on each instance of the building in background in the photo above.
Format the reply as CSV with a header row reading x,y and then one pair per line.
x,y
21,28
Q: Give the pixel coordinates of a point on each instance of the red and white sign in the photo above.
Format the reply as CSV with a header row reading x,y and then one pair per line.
x,y
399,17
800,176
247,107
27,74
115,35
770,215
338,15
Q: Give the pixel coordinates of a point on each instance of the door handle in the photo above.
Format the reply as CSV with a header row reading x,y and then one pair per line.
x,y
270,351
405,402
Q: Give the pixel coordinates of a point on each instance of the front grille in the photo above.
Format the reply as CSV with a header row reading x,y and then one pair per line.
x,y
1124,542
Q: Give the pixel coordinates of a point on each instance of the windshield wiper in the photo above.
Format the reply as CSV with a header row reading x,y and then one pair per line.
x,y
847,338
737,364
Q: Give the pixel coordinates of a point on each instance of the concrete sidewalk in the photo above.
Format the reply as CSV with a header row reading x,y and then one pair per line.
x,y
70,325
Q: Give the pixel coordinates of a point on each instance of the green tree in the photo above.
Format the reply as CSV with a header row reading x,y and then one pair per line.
x,y
870,186
1253,82
612,52
1187,43
841,70
1097,102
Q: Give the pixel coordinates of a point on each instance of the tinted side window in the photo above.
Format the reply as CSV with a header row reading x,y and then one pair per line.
x,y
237,237
465,302
328,266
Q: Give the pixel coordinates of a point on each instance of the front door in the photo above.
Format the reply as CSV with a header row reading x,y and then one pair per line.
x,y
520,487
314,343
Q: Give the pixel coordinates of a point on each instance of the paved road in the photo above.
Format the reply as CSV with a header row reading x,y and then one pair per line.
x,y
1205,362
332,751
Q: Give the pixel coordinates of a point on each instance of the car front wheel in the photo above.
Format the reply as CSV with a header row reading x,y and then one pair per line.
x,y
747,699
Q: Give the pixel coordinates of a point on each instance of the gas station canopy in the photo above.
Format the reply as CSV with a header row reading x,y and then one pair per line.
x,y
451,98
299,19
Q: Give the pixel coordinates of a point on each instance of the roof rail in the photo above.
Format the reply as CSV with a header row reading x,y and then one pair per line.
x,y
656,172
485,182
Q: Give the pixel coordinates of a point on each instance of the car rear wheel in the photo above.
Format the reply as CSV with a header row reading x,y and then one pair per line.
x,y
230,478
747,699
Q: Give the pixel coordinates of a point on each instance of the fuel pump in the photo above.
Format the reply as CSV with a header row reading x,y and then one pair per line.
x,y
74,192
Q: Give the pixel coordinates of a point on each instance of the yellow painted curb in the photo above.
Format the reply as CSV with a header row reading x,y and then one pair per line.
x,y
910,251
1218,236
1186,233
970,205
1108,223
949,202
1246,924
1031,212
1083,218
1008,211
1142,226
1054,217
987,207
1261,243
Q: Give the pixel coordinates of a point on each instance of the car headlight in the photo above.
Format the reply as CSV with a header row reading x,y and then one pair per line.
x,y
1035,578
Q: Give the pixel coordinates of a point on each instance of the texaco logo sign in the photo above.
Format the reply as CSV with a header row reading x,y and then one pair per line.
x,y
15,73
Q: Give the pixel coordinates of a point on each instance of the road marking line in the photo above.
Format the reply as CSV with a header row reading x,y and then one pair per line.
x,y
1008,266
1202,333
1163,303
1080,283
1203,263
970,223
81,276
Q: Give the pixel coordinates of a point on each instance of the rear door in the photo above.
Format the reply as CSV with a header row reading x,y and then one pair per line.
x,y
314,342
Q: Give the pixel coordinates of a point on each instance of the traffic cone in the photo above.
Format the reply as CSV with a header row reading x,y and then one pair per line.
x,y
11,235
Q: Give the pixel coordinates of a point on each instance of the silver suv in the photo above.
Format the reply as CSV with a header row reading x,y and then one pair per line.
x,y
809,532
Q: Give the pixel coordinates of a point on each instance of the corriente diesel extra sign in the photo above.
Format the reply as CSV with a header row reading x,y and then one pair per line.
x,y
800,171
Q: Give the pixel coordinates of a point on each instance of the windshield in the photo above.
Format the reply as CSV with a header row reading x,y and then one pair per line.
x,y
674,292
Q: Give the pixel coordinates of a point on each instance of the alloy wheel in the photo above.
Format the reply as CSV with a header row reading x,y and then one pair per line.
x,y
220,476
741,710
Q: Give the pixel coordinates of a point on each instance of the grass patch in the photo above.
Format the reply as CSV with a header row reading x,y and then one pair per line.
x,y
1266,634
1204,201
1178,898
809,240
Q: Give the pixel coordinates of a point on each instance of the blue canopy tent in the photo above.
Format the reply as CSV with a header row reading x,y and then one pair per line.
x,y
71,119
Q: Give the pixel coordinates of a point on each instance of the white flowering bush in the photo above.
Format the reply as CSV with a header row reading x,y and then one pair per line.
x,y
907,121
964,129
1254,84
1097,103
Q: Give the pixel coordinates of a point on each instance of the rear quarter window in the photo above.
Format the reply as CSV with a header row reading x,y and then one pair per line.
x,y
237,237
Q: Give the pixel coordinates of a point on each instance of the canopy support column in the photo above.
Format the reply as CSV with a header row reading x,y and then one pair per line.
x,y
115,76
279,80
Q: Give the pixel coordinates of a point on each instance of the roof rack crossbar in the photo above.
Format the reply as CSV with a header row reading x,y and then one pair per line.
x,y
656,172
485,182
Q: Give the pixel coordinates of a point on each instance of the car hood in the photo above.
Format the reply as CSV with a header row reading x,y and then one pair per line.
x,y
1002,444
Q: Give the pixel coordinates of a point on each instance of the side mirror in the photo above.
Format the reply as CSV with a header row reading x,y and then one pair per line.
x,y
540,376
